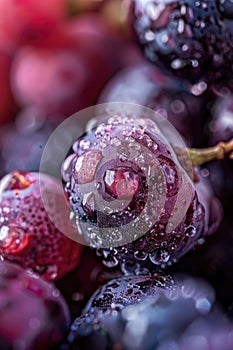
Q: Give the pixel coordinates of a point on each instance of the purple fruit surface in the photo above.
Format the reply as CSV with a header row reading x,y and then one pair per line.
x,y
190,39
131,197
28,236
34,315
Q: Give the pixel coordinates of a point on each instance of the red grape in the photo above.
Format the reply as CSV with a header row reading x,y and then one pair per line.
x,y
26,21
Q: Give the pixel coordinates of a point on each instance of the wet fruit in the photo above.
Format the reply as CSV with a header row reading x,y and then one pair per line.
x,y
27,234
152,323
131,197
190,39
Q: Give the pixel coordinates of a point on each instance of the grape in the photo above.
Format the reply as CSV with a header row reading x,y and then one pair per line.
x,y
27,234
6,102
28,21
152,323
146,85
66,71
110,163
192,40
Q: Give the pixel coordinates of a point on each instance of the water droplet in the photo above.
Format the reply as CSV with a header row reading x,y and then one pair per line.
x,y
117,306
159,256
112,261
128,267
140,255
190,231
188,289
103,144
115,142
83,144
201,241
121,183
199,88
85,166
66,167
177,63
52,271
203,305
13,239
149,35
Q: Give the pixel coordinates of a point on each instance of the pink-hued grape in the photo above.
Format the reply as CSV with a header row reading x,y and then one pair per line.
x,y
65,73
56,78
29,21
27,234
7,104
34,315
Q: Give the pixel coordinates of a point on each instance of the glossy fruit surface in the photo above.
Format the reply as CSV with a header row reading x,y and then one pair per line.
x,y
27,235
131,197
128,290
191,39
152,323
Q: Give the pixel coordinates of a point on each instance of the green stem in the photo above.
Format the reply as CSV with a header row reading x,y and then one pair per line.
x,y
201,156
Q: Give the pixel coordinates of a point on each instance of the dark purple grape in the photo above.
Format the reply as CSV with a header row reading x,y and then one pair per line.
x,y
190,39
181,318
146,85
132,199
128,290
107,303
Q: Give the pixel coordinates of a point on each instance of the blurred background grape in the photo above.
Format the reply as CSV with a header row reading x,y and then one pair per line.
x,y
55,59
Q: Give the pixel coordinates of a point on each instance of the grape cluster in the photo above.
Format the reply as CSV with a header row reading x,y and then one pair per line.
x,y
126,205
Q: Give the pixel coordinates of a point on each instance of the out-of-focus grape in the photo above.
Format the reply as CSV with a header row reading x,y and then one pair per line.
x,y
85,5
22,142
6,100
47,79
66,77
146,85
26,21
220,126
34,314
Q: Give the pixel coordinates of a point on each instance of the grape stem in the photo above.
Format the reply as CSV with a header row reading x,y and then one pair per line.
x,y
201,156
